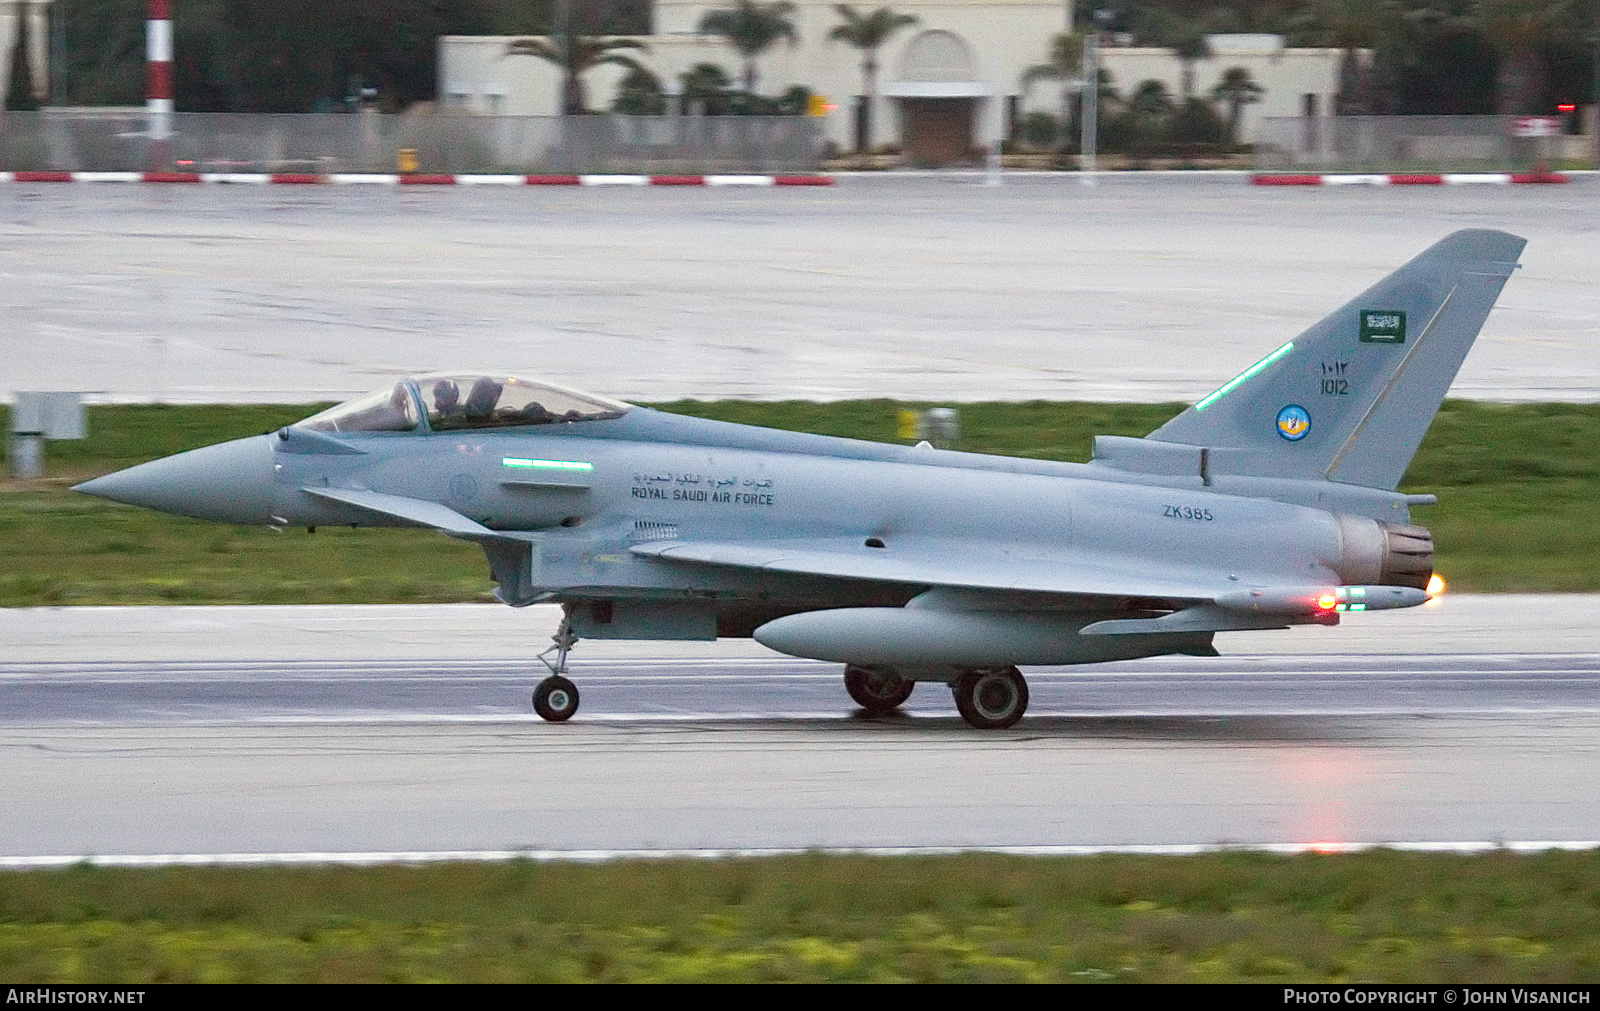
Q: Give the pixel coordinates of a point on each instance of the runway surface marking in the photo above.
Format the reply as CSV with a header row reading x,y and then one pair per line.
x,y
766,689
603,856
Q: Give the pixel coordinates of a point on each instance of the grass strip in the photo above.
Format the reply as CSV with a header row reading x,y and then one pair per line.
x,y
1372,916
1517,486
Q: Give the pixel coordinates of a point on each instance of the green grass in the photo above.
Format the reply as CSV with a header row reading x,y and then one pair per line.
x,y
1374,916
1517,487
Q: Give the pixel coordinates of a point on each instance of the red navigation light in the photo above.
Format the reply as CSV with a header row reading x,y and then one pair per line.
x,y
1565,107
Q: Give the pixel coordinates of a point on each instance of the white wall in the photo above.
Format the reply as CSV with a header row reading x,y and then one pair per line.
x,y
1006,36
1286,74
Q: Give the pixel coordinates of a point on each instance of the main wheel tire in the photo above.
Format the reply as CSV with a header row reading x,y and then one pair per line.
x,y
877,691
992,698
555,699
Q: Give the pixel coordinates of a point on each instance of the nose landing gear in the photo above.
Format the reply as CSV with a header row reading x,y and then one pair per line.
x,y
991,698
556,698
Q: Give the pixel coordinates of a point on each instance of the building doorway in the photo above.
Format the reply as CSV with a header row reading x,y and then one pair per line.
x,y
940,98
937,131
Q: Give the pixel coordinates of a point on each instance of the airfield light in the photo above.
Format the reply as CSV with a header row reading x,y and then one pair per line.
x,y
523,462
1436,585
818,105
1246,374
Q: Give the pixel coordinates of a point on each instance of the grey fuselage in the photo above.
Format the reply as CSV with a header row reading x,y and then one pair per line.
x,y
571,535
1268,503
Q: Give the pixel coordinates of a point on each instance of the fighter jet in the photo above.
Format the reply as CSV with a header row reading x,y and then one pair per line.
x,y
1270,503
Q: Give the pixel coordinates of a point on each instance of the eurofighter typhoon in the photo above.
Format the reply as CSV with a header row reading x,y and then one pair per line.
x,y
1270,503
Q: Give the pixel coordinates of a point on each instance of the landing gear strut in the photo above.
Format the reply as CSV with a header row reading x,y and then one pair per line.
x,y
556,698
877,691
991,698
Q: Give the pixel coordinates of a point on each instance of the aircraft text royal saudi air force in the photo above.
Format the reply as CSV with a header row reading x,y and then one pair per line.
x,y
732,491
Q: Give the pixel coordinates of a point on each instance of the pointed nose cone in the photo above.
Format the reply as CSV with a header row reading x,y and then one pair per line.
x,y
230,482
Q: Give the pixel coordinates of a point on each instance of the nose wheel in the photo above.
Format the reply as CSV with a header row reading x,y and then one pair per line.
x,y
877,691
556,698
991,698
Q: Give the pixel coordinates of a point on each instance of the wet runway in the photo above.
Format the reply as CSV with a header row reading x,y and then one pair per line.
x,y
770,691
203,757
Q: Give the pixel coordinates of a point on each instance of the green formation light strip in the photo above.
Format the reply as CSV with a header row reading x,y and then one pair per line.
x,y
1246,374
1347,604
517,461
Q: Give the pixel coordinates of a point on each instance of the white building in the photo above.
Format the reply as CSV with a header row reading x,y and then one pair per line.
x,y
951,82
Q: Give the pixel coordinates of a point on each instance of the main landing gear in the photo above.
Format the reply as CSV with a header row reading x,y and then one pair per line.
x,y
989,698
877,691
556,698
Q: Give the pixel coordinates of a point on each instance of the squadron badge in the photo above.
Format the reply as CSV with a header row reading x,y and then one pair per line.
x,y
1294,422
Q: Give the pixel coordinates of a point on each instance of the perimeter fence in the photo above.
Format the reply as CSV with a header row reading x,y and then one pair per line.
x,y
1402,144
63,140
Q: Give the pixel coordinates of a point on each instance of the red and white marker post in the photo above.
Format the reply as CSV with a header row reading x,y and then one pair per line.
x,y
158,82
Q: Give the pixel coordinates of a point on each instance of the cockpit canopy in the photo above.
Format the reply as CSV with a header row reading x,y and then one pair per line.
x,y
441,403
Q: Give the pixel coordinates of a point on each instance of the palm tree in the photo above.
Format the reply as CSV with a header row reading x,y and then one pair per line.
x,y
1353,25
867,32
1190,46
576,55
1185,37
1065,65
1236,90
639,94
1517,29
1151,99
20,95
1149,115
752,28
706,85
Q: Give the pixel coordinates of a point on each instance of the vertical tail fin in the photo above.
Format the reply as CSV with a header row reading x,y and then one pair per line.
x,y
1350,399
